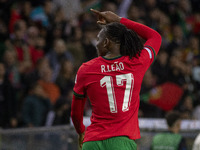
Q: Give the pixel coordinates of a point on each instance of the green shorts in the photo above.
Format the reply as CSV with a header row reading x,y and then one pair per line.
x,y
114,143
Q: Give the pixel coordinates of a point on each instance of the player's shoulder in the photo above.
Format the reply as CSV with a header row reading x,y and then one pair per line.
x,y
145,57
89,64
149,52
92,62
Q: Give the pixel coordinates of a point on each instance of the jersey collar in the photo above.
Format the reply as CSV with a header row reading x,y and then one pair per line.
x,y
113,58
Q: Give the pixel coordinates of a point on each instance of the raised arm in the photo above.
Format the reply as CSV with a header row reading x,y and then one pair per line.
x,y
152,37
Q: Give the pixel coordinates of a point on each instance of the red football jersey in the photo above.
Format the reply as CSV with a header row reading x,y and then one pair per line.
x,y
113,87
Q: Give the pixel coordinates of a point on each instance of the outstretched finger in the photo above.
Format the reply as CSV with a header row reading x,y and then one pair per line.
x,y
100,14
95,11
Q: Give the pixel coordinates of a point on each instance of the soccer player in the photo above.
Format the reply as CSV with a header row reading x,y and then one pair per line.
x,y
171,139
112,83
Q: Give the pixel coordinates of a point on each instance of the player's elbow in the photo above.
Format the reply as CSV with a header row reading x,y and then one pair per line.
x,y
158,39
158,36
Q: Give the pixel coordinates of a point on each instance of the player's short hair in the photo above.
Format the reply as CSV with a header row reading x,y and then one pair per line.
x,y
130,43
172,117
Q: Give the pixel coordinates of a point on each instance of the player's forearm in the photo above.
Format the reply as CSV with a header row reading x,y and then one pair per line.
x,y
142,30
77,110
153,37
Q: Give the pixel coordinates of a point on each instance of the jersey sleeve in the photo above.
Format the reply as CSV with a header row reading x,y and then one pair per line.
x,y
152,37
79,87
77,110
148,54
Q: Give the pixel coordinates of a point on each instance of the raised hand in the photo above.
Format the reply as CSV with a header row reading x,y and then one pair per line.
x,y
106,17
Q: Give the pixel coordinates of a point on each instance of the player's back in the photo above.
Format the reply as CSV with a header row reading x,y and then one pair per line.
x,y
113,87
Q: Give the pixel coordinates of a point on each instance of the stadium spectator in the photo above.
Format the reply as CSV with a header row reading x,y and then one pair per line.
x,y
65,80
75,46
20,45
192,50
35,107
160,68
148,110
60,115
187,108
122,57
176,67
3,38
13,70
26,11
134,13
35,74
36,43
178,41
74,5
57,55
37,51
8,104
109,6
170,139
51,89
42,13
89,39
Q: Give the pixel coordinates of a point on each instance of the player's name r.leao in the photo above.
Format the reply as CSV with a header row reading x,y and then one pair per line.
x,y
117,66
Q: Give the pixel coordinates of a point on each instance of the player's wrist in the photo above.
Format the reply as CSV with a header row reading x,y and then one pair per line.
x,y
118,19
81,134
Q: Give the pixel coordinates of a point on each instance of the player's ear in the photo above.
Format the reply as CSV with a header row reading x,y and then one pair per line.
x,y
106,42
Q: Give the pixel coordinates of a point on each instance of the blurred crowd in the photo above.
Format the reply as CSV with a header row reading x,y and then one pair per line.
x,y
43,43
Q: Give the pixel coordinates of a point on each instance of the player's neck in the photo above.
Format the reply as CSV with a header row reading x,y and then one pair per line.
x,y
111,55
113,52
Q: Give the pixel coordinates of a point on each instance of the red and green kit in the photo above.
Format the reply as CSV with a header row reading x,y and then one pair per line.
x,y
113,87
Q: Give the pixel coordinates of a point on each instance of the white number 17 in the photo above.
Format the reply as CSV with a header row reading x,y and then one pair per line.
x,y
108,82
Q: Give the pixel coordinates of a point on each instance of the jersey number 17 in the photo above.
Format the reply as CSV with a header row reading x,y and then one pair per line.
x,y
108,82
